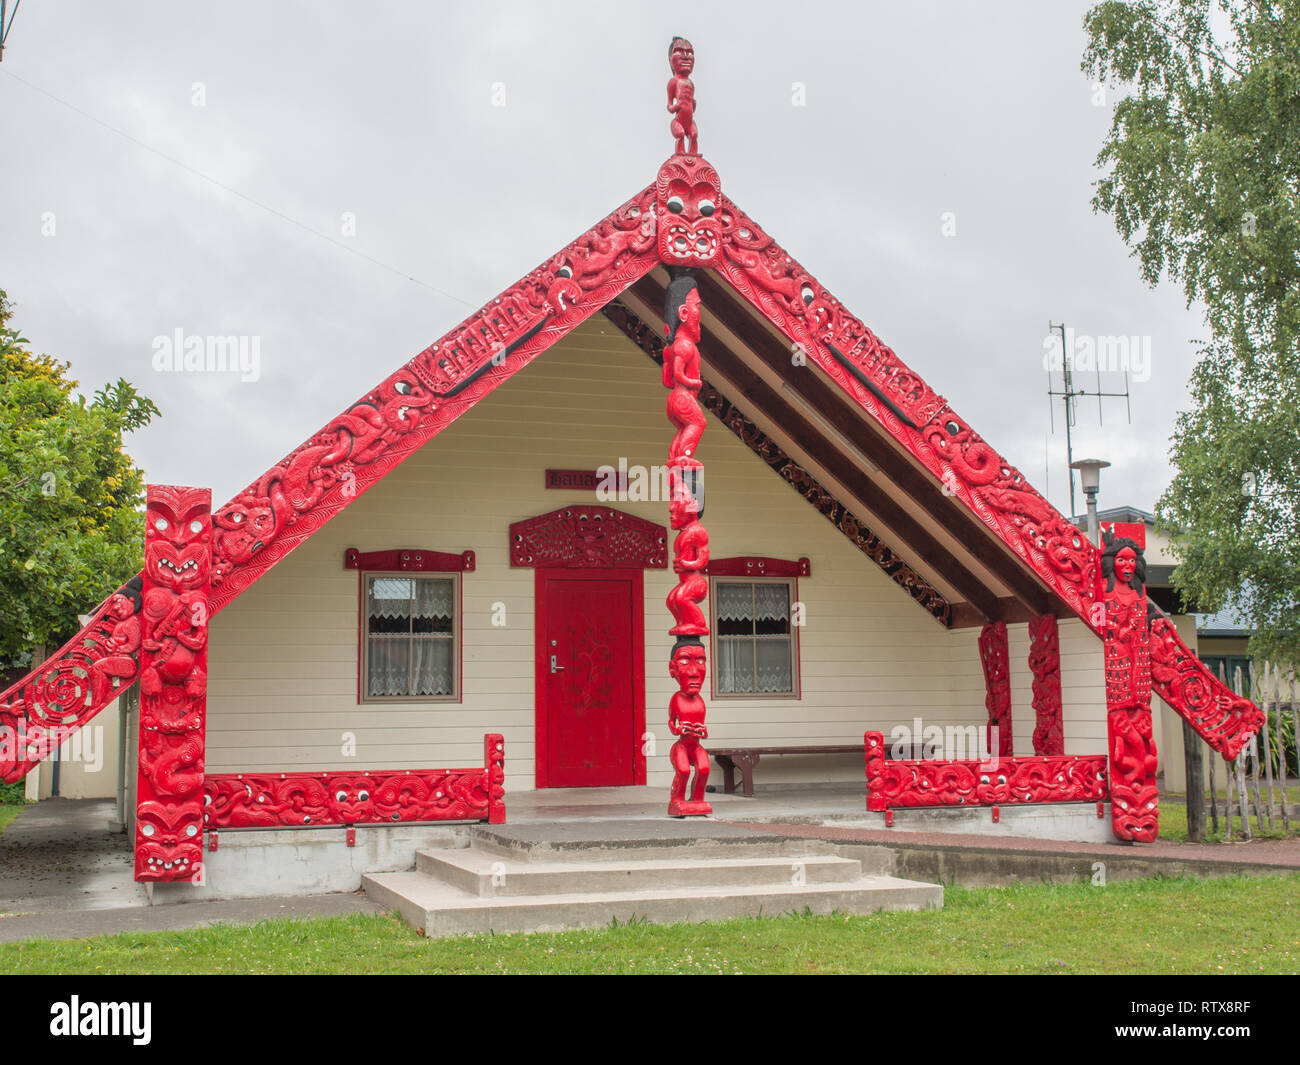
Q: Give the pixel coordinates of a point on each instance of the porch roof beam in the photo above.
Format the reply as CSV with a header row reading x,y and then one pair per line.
x,y
920,487
764,400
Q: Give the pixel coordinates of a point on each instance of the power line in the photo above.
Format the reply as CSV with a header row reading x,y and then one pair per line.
x,y
232,191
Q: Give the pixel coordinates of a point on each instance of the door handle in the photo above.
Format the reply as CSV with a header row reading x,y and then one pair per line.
x,y
554,667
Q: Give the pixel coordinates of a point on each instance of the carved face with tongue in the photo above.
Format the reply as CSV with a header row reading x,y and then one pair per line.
x,y
688,196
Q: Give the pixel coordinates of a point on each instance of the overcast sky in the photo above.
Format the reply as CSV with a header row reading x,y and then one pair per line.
x,y
227,218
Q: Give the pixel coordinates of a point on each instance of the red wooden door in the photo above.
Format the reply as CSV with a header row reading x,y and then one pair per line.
x,y
589,679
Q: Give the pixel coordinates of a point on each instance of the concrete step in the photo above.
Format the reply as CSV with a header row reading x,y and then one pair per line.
x,y
636,840
487,874
441,909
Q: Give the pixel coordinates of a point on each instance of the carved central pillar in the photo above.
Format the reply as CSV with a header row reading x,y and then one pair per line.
x,y
688,196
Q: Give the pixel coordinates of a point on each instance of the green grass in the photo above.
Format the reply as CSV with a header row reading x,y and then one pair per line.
x,y
1173,817
1230,925
7,814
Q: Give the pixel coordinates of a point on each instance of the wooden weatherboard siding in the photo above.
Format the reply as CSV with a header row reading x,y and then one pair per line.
x,y
282,687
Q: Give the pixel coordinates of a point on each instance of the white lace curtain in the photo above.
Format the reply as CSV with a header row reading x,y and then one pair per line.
x,y
754,663
409,647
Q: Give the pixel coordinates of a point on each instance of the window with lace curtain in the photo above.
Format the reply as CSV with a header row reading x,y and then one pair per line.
x,y
755,647
409,638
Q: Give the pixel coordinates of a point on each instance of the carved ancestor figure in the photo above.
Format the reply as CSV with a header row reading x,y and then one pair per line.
x,y
690,557
681,96
1134,801
686,721
682,369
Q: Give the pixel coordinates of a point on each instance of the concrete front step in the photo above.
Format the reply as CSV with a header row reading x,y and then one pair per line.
x,y
440,909
487,874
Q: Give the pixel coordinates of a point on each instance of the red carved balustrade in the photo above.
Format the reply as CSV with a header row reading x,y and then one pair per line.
x,y
897,783
312,800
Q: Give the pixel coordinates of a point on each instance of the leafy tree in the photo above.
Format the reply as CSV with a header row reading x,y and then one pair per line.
x,y
1202,177
71,527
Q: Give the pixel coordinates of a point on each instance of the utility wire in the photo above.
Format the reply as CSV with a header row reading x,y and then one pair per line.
x,y
233,192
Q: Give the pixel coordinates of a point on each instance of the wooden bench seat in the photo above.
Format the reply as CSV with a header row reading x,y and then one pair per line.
x,y
745,758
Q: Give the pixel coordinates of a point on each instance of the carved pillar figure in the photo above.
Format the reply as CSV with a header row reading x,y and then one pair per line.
x,y
1122,591
996,660
687,664
1045,667
173,683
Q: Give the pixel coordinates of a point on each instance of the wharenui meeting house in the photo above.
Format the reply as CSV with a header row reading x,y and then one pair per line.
x,y
661,514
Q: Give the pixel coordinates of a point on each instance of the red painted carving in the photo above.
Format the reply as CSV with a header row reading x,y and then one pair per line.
x,y
1225,720
996,660
43,709
1045,666
971,782
873,743
755,566
688,194
687,665
412,560
681,96
588,536
1135,808
173,684
279,800
494,758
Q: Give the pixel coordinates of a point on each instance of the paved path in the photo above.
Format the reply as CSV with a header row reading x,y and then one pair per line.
x,y
1283,854
64,875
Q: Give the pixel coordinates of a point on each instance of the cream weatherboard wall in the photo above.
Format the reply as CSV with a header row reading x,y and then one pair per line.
x,y
282,688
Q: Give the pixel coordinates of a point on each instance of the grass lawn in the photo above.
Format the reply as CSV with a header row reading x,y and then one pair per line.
x,y
1139,926
7,814
1173,817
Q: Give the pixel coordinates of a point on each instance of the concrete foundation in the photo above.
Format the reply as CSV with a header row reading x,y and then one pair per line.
x,y
254,863
1067,821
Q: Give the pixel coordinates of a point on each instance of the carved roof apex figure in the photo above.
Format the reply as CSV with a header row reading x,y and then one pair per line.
x,y
681,96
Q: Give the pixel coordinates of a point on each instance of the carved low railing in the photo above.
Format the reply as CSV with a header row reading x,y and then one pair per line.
x,y
993,781
310,800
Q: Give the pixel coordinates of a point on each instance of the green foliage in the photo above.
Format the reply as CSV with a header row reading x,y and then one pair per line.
x,y
1202,178
71,527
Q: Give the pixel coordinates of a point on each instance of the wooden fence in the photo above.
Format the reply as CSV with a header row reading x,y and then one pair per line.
x,y
1256,781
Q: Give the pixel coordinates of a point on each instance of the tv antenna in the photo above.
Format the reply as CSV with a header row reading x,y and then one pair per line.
x,y
5,26
1070,397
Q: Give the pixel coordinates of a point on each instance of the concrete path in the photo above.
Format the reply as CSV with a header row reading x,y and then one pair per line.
x,y
63,874
1282,853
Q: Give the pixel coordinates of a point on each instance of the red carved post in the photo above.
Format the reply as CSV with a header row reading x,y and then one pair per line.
x,y
996,660
873,744
173,683
494,759
1126,631
687,663
687,195
1045,666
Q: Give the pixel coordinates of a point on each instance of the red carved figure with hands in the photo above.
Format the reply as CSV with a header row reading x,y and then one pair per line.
x,y
681,96
682,375
686,721
1126,632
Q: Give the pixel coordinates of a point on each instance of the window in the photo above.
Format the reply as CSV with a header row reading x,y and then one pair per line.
x,y
755,647
409,640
